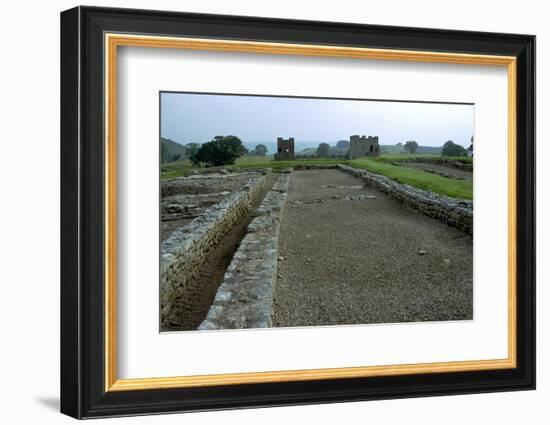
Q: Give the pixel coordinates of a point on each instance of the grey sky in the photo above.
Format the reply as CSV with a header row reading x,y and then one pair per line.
x,y
198,118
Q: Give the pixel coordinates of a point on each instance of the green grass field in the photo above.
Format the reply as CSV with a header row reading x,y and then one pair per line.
x,y
405,157
417,178
382,165
420,157
264,162
463,159
184,168
175,169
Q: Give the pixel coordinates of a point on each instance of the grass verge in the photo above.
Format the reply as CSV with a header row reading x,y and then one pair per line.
x,y
382,165
417,178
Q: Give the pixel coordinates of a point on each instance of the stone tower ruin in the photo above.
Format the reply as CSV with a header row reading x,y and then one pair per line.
x,y
363,146
285,149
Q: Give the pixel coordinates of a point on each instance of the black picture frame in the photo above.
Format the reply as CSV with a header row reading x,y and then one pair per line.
x,y
83,392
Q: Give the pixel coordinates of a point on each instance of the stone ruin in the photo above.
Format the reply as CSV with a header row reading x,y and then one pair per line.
x,y
285,149
363,146
358,146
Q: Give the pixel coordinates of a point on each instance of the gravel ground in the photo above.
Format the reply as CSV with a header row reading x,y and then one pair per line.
x,y
440,169
361,260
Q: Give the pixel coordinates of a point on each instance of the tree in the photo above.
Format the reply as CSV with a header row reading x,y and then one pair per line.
x,y
192,149
323,149
259,150
452,149
411,146
223,150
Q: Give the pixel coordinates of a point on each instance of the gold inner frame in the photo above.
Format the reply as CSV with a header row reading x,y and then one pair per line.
x,y
113,41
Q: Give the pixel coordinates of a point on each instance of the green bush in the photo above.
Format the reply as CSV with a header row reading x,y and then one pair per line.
x,y
452,149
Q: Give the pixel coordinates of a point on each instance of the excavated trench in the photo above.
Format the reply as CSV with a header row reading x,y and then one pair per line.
x,y
190,310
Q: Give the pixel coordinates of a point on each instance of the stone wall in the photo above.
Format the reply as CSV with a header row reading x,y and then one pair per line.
x,y
438,161
315,166
363,146
285,149
245,298
456,164
186,248
457,213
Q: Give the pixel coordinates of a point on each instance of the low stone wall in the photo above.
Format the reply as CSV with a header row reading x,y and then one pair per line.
x,y
457,213
186,248
444,174
438,161
315,166
245,298
456,164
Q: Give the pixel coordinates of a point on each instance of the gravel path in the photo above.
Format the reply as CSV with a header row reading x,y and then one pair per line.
x,y
360,260
452,172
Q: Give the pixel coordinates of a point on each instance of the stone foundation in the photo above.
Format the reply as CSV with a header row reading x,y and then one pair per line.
x,y
438,161
186,248
245,298
457,213
315,166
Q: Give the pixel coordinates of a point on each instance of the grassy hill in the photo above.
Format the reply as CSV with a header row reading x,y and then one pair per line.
x,y
171,151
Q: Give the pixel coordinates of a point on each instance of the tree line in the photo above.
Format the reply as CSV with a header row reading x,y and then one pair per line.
x,y
224,150
220,150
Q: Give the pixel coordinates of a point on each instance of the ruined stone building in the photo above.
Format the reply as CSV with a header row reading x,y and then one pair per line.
x,y
285,149
363,146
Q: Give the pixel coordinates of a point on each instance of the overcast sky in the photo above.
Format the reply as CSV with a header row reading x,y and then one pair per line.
x,y
198,118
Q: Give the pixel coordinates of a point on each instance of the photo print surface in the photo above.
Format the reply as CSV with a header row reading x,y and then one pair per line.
x,y
297,211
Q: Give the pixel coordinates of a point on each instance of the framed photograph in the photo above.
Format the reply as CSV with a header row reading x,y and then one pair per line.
x,y
261,212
